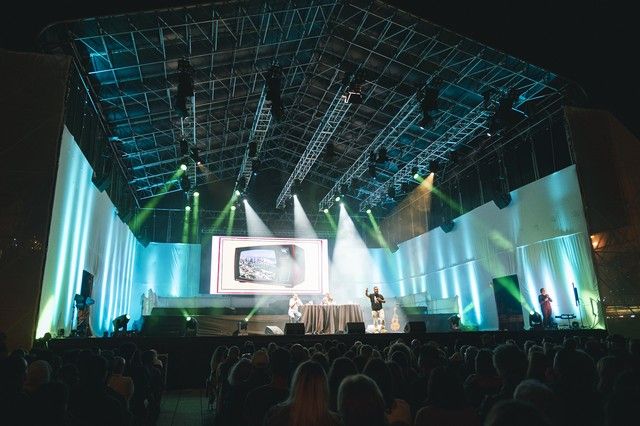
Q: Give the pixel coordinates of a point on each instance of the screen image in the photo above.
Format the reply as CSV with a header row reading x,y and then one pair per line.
x,y
244,265
277,264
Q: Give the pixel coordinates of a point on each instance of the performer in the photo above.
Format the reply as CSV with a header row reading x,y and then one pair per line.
x,y
545,306
377,313
294,305
149,301
327,299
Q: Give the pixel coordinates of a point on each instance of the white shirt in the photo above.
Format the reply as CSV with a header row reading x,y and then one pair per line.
x,y
294,303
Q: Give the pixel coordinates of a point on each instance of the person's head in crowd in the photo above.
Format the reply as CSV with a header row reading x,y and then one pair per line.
x,y
397,378
484,363
570,343
623,403
511,412
429,358
333,353
360,402
149,357
218,356
260,359
280,364
594,348
49,404
38,373
488,341
117,365
233,355
13,372
444,389
510,364
608,368
575,370
248,347
240,372
95,376
365,351
470,357
539,366
378,371
272,346
318,347
309,396
415,344
321,359
403,360
69,375
534,348
539,395
340,368
399,346
299,353
350,354
527,345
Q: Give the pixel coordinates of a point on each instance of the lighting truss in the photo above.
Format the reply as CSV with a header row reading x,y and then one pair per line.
x,y
332,119
258,134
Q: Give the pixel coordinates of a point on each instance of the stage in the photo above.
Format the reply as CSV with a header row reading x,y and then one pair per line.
x,y
188,356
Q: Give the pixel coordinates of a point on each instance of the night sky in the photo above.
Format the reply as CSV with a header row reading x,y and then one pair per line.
x,y
592,42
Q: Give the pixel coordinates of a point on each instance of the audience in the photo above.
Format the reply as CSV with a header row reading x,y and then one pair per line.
x,y
568,380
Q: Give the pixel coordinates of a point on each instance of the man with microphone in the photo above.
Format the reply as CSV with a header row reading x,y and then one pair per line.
x,y
377,313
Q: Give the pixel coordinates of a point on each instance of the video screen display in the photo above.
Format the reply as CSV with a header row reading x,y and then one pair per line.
x,y
242,265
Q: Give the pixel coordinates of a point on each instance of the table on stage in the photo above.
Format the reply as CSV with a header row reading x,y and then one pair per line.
x,y
329,319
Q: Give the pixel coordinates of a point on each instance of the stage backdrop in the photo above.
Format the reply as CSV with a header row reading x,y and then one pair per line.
x,y
541,236
86,234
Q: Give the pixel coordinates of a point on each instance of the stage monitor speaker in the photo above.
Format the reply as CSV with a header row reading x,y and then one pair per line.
x,y
271,330
415,327
447,226
354,328
87,284
502,200
294,328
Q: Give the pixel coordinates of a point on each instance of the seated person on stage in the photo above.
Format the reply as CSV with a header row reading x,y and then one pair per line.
x,y
327,299
294,308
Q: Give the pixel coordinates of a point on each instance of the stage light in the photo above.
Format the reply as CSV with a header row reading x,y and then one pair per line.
x,y
185,183
244,200
121,323
368,211
187,208
535,320
326,210
233,207
353,94
274,84
184,147
414,173
382,155
428,102
188,319
237,192
416,176
342,203
191,326
185,87
196,194
337,198
183,167
454,322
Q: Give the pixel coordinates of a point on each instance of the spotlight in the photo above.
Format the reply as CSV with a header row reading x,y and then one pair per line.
x,y
535,319
416,176
454,322
237,192
414,173
183,167
185,183
184,147
121,323
233,207
256,164
185,87
195,155
326,210
354,91
244,200
295,187
338,198
196,194
187,208
368,211
191,326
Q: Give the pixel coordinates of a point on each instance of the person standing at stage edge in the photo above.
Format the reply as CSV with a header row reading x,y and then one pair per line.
x,y
545,306
377,313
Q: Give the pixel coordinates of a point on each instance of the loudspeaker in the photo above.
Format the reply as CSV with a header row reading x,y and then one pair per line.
x,y
354,328
273,330
447,226
502,200
415,327
393,247
87,284
294,328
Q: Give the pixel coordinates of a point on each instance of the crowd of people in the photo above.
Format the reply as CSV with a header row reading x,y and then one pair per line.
x,y
578,380
582,381
80,387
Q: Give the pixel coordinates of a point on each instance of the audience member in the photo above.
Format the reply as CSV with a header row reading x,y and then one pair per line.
x,y
360,402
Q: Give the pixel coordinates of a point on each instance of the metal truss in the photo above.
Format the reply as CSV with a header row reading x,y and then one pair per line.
x,y
332,119
131,61
258,134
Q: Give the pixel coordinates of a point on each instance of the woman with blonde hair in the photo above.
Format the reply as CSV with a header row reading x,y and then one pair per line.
x,y
308,402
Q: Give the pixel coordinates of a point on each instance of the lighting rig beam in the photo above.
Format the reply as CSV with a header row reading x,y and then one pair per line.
x,y
330,122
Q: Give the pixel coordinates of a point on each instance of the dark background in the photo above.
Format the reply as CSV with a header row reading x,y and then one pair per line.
x,y
593,42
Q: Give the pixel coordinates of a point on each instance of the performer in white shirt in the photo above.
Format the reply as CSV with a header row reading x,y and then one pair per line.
x,y
327,299
294,305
